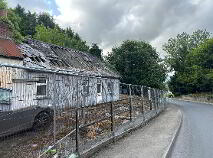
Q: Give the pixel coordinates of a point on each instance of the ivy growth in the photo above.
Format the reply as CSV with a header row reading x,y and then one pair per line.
x,y
6,21
3,4
15,34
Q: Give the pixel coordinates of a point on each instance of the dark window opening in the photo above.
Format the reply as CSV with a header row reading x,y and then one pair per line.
x,y
85,86
110,87
42,87
99,87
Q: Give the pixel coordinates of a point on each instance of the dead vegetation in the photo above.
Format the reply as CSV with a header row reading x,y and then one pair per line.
x,y
94,122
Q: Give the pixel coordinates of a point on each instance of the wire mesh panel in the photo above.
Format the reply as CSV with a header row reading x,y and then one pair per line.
x,y
46,113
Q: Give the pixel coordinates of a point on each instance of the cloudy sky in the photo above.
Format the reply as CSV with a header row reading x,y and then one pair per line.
x,y
109,22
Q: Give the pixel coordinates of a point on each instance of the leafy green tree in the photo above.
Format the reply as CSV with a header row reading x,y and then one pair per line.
x,y
58,37
29,24
49,35
95,50
178,49
20,11
14,18
70,33
28,21
138,63
46,20
16,21
12,21
42,27
3,4
199,65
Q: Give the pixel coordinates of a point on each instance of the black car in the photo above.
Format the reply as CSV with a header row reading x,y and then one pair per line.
x,y
12,121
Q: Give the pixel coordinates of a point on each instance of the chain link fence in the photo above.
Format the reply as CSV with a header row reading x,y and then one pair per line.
x,y
46,113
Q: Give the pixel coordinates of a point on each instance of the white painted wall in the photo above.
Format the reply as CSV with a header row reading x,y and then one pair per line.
x,y
4,60
62,91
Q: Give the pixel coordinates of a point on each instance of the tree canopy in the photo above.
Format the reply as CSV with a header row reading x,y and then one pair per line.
x,y
199,65
179,49
3,4
41,27
138,63
96,51
58,37
46,20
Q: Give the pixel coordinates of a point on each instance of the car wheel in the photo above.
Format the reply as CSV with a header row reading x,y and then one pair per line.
x,y
42,120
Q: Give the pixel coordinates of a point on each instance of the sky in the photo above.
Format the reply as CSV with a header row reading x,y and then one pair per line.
x,y
109,22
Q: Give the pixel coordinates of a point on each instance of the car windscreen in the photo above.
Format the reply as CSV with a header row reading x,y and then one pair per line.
x,y
5,96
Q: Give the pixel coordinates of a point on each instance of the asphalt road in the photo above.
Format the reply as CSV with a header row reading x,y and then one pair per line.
x,y
195,139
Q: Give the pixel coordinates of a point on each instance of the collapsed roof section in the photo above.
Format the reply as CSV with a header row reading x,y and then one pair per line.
x,y
44,55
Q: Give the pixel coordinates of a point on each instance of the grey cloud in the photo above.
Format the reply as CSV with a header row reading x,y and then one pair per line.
x,y
108,22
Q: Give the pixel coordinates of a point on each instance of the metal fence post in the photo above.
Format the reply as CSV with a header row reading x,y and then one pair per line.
x,y
164,101
112,118
142,110
157,100
77,122
54,110
130,103
77,131
156,96
150,100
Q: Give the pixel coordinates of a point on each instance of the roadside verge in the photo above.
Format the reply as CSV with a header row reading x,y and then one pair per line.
x,y
193,101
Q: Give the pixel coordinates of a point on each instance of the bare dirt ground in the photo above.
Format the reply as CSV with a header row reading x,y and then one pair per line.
x,y
30,143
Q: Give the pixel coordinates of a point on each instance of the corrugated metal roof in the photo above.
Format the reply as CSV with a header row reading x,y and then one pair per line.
x,y
9,49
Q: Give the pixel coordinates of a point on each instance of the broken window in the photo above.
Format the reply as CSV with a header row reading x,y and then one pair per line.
x,y
5,96
99,85
85,86
41,87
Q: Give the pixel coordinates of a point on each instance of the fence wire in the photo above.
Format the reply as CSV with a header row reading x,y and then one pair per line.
x,y
43,114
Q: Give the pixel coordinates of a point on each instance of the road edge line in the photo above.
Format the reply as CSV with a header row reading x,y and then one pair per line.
x,y
168,152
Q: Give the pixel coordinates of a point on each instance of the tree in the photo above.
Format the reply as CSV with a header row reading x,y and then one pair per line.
x,y
42,27
58,37
28,21
12,21
29,24
46,20
49,35
199,65
177,49
20,11
138,63
3,4
16,21
96,51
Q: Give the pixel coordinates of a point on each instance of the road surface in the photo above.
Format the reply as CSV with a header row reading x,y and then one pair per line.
x,y
195,139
